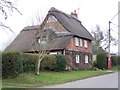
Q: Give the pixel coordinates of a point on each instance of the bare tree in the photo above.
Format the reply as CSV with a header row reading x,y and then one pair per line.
x,y
101,39
42,42
113,40
97,39
43,45
6,8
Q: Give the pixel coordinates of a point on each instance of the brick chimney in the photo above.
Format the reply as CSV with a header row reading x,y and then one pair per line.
x,y
74,14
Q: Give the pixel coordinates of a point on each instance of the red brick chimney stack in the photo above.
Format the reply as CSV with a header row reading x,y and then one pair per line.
x,y
74,14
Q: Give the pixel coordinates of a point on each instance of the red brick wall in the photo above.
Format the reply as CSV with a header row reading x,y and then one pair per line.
x,y
71,45
56,25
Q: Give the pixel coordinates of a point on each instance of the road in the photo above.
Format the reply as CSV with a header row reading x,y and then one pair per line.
x,y
104,81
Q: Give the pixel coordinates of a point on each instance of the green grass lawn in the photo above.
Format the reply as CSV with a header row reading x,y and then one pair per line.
x,y
48,78
115,68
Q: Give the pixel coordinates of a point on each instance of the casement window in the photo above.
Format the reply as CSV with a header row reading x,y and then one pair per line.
x,y
77,59
52,19
86,58
76,40
42,40
85,44
80,42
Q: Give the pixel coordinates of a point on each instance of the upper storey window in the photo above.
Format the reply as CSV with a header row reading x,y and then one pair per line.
x,y
51,18
76,40
85,44
80,42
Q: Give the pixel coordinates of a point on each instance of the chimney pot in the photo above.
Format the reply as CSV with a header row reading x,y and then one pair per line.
x,y
74,14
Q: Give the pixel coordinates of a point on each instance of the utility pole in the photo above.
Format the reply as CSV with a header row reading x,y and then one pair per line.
x,y
109,40
109,57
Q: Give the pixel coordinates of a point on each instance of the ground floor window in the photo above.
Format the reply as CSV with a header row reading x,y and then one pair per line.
x,y
77,58
86,58
53,52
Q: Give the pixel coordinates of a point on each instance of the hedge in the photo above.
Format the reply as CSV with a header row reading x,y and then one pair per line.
x,y
11,64
29,62
14,63
101,60
54,63
115,60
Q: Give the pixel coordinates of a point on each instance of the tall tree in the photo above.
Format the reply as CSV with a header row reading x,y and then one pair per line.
x,y
97,39
101,40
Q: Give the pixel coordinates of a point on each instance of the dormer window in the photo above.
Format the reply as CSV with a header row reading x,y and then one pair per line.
x,y
51,19
42,40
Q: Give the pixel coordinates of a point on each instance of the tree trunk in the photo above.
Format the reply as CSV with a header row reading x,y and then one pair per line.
x,y
38,67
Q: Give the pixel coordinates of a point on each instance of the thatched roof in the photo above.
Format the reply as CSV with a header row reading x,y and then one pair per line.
x,y
25,40
71,23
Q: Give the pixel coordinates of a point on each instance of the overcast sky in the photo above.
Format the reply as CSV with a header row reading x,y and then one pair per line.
x,y
90,13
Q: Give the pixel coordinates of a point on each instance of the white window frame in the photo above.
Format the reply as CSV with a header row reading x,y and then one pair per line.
x,y
85,44
80,42
76,41
77,59
86,58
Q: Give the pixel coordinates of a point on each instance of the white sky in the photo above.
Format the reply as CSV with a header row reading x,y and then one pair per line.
x,y
91,12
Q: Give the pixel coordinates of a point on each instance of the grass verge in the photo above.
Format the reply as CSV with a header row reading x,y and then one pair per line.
x,y
115,68
28,80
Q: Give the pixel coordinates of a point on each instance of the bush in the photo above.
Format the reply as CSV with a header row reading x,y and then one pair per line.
x,y
11,64
101,60
114,60
118,60
60,63
54,63
29,62
14,63
48,62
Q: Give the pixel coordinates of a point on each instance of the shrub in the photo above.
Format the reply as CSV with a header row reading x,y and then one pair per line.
x,y
114,60
14,63
48,62
11,64
29,62
53,63
118,60
60,63
101,60
95,64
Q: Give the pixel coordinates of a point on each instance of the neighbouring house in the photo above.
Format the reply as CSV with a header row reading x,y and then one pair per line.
x,y
71,39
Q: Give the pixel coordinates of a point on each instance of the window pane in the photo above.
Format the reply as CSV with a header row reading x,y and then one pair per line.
x,y
77,58
76,41
86,58
81,42
85,44
42,40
